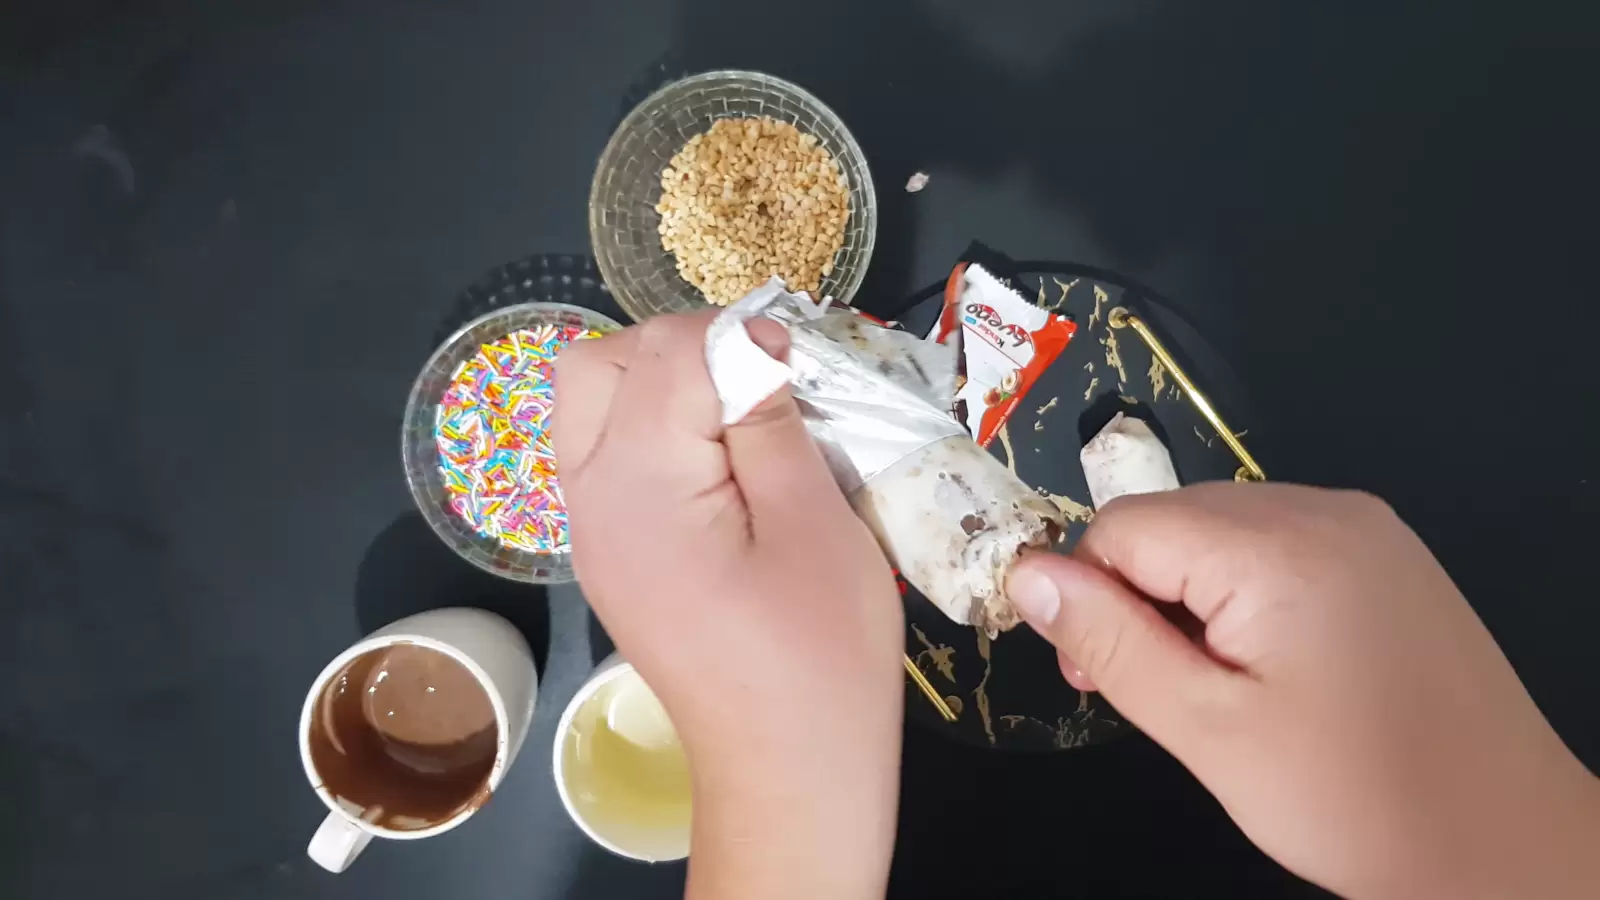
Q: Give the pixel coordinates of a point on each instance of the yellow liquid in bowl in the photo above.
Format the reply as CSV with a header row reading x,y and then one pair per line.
x,y
626,773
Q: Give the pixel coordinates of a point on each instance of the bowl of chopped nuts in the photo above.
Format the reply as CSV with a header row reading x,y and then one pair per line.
x,y
719,181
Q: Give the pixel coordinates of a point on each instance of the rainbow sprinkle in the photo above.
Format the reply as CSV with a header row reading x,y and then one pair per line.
x,y
492,430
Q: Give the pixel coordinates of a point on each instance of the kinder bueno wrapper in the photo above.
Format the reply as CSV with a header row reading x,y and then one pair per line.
x,y
877,402
1005,343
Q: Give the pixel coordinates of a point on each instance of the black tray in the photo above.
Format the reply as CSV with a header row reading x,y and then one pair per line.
x,y
1009,693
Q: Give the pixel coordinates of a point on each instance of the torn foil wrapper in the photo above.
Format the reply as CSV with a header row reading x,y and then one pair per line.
x,y
948,515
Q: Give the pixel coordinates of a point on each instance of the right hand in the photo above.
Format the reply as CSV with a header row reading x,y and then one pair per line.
x,y
1345,704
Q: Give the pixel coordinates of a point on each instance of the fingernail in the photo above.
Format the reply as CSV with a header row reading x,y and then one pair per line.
x,y
1034,595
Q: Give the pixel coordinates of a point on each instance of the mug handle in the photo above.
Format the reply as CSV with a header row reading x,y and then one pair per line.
x,y
337,843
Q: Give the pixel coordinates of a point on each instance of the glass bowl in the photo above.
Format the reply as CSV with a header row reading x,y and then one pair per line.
x,y
420,451
627,185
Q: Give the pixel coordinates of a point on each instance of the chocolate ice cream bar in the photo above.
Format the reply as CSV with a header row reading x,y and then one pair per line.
x,y
1126,457
953,520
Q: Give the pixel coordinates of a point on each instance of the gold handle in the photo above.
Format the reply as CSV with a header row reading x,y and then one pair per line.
x,y
927,688
1249,470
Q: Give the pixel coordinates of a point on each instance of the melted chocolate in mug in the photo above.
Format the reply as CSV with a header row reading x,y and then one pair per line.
x,y
407,734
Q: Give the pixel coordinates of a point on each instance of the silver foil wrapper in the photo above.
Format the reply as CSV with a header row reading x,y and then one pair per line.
x,y
870,395
877,403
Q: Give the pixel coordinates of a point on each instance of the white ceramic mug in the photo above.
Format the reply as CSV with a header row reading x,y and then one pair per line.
x,y
605,803
497,656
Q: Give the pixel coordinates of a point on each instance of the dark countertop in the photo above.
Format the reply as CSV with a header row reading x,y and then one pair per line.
x,y
225,225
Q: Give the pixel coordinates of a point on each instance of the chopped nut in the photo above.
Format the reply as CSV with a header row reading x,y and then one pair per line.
x,y
752,198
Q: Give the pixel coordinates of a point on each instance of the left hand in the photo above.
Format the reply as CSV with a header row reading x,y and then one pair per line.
x,y
732,573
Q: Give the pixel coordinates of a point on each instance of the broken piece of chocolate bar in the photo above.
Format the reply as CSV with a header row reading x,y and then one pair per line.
x,y
1126,457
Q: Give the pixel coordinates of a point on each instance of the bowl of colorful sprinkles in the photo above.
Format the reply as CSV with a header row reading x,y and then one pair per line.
x,y
476,439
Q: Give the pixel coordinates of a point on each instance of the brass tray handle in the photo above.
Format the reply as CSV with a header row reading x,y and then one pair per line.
x,y
1249,469
933,696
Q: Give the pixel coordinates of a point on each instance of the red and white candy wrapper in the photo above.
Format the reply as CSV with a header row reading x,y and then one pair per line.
x,y
877,402
1005,344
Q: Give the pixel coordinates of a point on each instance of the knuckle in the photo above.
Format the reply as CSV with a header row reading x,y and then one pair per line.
x,y
774,413
672,344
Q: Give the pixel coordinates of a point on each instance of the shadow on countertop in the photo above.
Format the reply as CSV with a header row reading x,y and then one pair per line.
x,y
407,570
602,874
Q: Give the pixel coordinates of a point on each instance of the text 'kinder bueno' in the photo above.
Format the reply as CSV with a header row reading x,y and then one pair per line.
x,y
1006,343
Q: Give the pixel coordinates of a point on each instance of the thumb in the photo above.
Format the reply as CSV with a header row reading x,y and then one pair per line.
x,y
779,470
1143,664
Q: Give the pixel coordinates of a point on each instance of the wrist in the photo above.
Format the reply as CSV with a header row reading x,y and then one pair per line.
x,y
1549,851
802,824
1559,856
